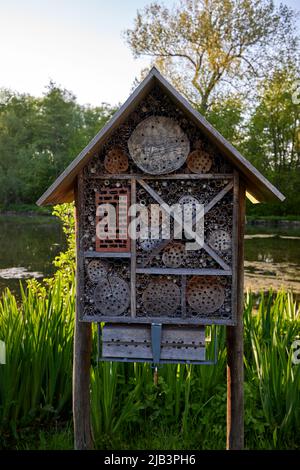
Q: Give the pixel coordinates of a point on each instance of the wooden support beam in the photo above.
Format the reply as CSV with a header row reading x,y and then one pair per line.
x,y
235,343
215,256
207,208
183,297
106,254
176,176
133,257
218,197
185,271
97,318
82,344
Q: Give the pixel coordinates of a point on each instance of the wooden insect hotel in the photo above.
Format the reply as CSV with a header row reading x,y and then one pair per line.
x,y
154,296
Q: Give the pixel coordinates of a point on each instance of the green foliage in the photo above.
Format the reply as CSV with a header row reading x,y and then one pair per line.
x,y
36,381
270,335
65,262
208,46
226,114
273,139
39,137
237,63
187,409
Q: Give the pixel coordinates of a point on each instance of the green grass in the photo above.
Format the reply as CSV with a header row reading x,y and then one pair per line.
x,y
187,410
35,383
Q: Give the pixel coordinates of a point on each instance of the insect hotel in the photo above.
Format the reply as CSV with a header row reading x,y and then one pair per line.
x,y
152,296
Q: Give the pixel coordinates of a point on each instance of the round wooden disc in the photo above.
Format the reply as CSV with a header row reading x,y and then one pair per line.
x,y
220,240
161,297
199,161
96,269
112,295
173,255
205,295
116,161
148,244
158,145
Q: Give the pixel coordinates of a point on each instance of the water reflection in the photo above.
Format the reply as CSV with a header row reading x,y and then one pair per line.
x,y
272,257
28,246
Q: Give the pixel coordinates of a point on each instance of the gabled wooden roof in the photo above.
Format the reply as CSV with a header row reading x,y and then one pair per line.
x,y
259,189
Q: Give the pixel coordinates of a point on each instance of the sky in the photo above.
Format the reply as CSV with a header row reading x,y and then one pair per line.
x,y
76,43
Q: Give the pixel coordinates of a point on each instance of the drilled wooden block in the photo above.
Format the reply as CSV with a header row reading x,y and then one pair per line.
x,y
205,295
199,161
112,295
96,269
177,343
173,255
116,161
220,240
161,297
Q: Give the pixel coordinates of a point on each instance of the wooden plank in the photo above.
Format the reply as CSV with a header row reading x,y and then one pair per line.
x,y
82,342
183,295
133,257
106,254
234,244
166,320
176,176
185,271
235,344
142,334
215,256
218,197
139,351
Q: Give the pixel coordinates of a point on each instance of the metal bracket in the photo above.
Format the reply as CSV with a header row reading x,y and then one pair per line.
x,y
156,342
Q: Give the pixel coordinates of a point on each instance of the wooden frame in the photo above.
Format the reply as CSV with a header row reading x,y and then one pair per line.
x,y
243,179
82,342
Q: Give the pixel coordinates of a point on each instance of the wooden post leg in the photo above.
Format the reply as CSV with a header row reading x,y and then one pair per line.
x,y
235,346
82,342
235,388
81,386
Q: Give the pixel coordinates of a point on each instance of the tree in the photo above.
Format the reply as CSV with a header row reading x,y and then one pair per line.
x,y
17,112
226,115
273,135
206,45
39,137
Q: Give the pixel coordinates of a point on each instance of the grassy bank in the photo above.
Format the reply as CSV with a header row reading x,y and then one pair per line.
x,y
187,409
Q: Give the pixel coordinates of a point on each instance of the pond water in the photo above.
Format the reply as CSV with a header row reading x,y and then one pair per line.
x,y
28,245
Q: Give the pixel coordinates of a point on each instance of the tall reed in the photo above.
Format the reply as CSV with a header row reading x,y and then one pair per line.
x,y
38,333
36,384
